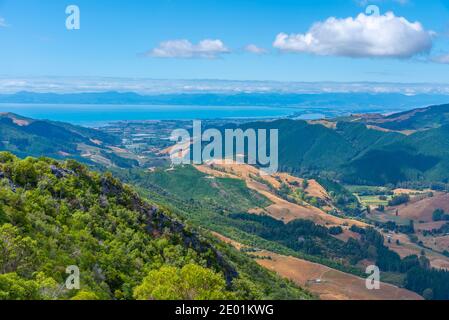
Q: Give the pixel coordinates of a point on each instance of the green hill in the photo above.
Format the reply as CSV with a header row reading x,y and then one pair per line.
x,y
223,194
356,154
29,137
58,214
416,119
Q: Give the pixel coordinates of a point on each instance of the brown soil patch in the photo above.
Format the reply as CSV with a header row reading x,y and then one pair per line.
x,y
314,189
407,248
428,226
330,284
439,243
422,210
325,282
347,234
227,240
280,209
97,142
404,132
406,191
328,124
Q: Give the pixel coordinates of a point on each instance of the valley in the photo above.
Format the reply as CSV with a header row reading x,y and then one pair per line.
x,y
312,220
325,282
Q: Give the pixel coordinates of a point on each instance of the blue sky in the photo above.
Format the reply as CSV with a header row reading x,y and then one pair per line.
x,y
162,39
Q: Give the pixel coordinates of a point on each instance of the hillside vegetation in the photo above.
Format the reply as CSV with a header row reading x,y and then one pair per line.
x,y
29,137
54,215
299,238
357,154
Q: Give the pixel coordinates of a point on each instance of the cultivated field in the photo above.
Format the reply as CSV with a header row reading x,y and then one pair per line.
x,y
326,283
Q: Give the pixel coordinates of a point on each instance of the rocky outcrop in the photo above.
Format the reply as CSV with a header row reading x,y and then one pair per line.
x,y
60,172
12,185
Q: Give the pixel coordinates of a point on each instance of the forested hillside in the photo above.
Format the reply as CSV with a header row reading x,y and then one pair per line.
x,y
54,215
28,137
416,119
357,154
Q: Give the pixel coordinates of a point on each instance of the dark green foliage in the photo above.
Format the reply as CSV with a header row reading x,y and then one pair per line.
x,y
399,199
440,215
55,139
335,230
355,154
54,215
426,118
223,194
341,197
443,230
421,280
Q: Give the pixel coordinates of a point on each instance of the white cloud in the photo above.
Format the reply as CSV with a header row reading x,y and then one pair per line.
x,y
441,59
363,36
3,23
185,49
367,2
151,86
252,48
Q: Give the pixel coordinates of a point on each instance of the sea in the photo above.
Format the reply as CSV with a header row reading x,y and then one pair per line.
x,y
94,115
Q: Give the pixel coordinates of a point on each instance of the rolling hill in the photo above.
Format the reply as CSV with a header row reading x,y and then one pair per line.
x,y
28,137
357,153
360,149
416,119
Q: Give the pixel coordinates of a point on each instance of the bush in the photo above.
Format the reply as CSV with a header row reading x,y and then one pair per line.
x,y
440,215
398,200
335,230
192,282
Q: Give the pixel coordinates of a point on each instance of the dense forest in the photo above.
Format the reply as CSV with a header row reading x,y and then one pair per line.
x,y
59,214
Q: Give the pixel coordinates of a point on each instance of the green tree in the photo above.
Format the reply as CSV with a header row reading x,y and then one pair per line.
x,y
16,252
192,282
305,184
85,295
428,294
15,287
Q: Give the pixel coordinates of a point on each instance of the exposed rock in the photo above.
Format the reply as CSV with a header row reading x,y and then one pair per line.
x,y
60,172
103,201
12,185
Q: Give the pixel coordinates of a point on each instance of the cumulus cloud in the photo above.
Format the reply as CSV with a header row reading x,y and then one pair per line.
x,y
185,49
252,48
363,36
